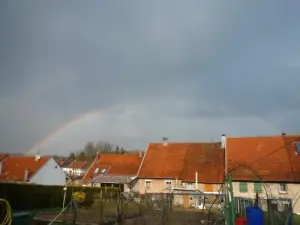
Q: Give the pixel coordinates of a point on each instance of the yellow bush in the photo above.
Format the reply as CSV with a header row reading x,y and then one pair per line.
x,y
78,196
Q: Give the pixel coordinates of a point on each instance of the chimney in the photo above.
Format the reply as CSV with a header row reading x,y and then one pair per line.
x,y
283,133
141,154
26,175
165,141
223,141
98,157
37,157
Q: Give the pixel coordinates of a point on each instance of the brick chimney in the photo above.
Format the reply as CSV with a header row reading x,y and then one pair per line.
x,y
165,141
141,154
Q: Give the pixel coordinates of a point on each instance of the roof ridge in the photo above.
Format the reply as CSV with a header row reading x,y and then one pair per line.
x,y
265,136
208,142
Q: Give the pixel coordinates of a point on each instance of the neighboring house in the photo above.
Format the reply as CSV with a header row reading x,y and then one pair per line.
x,y
35,170
191,166
76,169
114,170
269,166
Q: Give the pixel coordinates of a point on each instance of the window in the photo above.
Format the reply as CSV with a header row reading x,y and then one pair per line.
x,y
96,170
148,184
257,188
189,185
103,171
243,187
168,184
282,188
297,146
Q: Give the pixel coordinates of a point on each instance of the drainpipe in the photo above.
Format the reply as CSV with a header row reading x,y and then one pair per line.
x,y
196,180
26,175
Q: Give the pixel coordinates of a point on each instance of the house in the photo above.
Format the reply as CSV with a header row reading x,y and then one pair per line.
x,y
194,166
76,169
114,170
31,169
267,165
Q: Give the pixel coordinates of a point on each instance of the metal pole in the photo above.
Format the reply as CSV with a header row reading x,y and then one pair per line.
x,y
64,200
230,203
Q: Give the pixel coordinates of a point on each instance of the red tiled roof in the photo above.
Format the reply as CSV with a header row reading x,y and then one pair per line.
x,y
77,165
13,167
271,158
2,156
182,160
115,164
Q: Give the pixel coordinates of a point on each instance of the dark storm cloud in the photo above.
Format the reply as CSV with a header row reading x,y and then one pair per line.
x,y
200,67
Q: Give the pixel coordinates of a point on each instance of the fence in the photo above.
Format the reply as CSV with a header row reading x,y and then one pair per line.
x,y
147,209
277,211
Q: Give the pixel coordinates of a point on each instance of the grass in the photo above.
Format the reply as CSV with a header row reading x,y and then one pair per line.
x,y
297,219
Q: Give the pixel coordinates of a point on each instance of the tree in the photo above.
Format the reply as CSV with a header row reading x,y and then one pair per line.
x,y
104,147
117,151
122,150
72,156
81,156
90,151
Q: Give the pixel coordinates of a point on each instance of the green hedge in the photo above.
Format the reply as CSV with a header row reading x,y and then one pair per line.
x,y
29,196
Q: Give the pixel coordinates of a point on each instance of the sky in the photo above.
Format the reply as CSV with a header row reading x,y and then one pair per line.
x,y
133,72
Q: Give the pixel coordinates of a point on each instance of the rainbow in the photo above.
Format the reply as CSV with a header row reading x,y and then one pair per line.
x,y
98,111
62,127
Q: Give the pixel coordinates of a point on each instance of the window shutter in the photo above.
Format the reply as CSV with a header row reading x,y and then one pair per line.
x,y
257,187
243,187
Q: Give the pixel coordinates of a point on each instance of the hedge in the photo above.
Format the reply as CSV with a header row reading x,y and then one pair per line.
x,y
30,196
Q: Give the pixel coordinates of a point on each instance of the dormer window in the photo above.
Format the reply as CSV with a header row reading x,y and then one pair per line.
x,y
96,170
297,147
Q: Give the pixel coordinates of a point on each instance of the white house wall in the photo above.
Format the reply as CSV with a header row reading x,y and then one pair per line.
x,y
293,192
49,174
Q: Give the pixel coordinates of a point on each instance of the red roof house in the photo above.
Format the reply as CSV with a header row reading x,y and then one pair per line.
x,y
181,161
114,165
271,158
32,170
77,164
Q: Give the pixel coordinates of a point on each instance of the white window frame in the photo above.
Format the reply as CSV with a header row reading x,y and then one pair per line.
x,y
190,185
148,182
166,184
96,170
285,187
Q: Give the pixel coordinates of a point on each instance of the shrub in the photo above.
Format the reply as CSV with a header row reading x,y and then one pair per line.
x,y
30,196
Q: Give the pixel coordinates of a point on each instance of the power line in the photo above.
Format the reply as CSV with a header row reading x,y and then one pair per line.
x,y
271,153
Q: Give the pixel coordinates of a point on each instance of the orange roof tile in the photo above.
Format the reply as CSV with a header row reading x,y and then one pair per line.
x,y
272,158
115,164
182,160
13,167
77,164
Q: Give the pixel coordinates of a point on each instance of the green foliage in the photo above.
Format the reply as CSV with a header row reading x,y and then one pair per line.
x,y
30,197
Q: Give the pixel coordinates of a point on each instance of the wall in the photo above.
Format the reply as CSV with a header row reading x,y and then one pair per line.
x,y
76,172
49,174
159,185
293,192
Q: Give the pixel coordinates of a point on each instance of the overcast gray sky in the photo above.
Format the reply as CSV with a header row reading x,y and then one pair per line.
x,y
141,70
